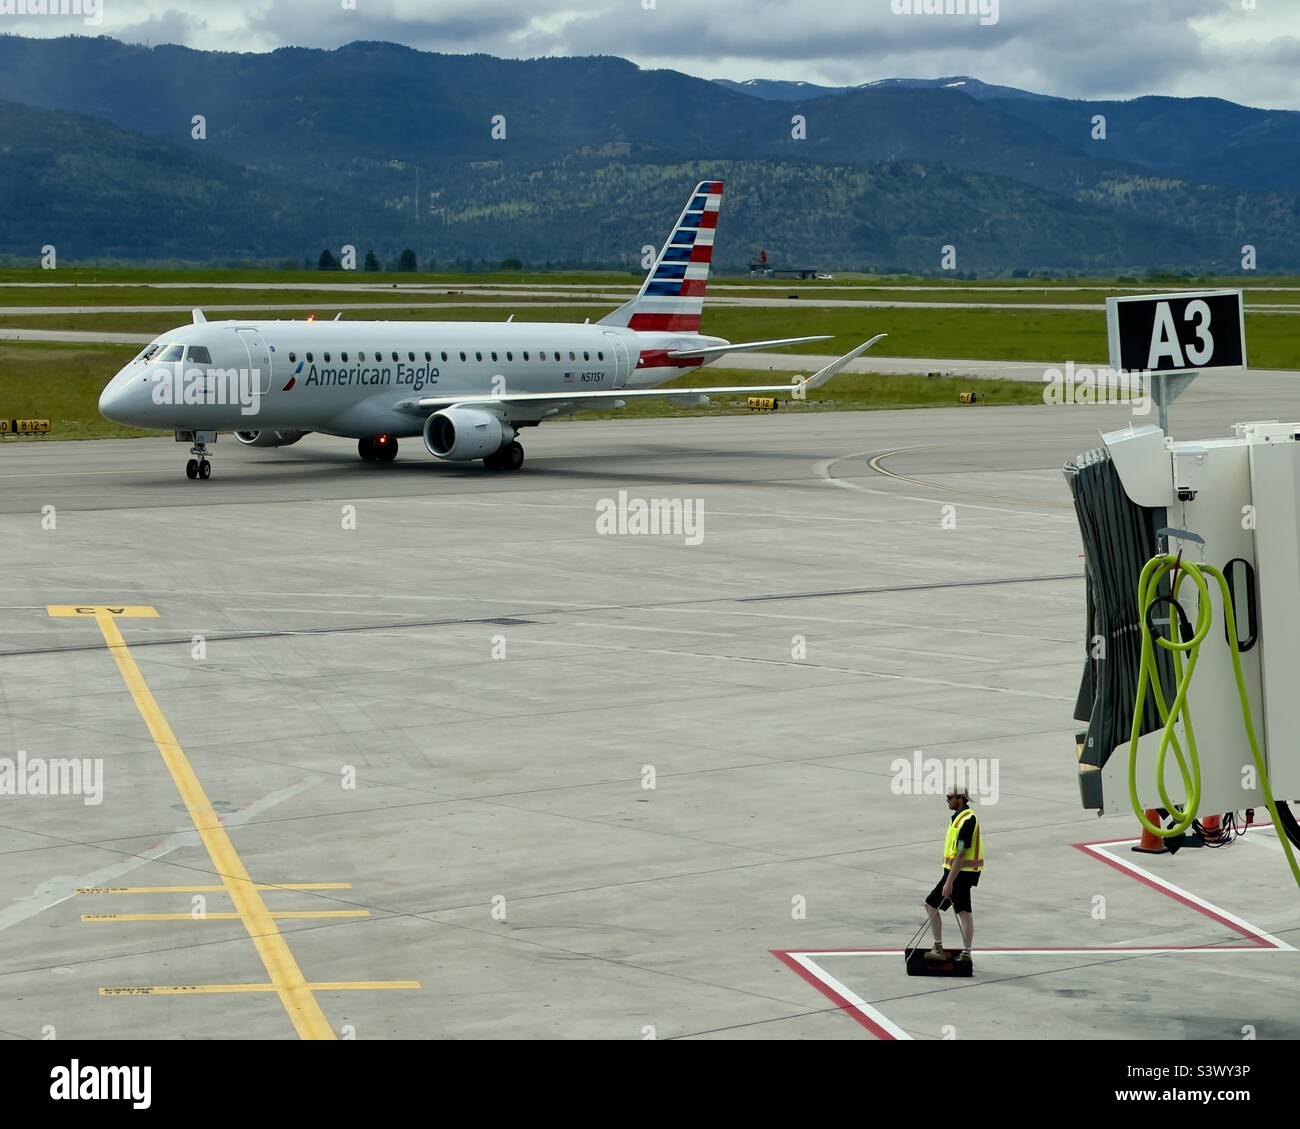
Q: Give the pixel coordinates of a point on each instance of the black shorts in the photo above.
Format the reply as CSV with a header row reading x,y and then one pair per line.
x,y
961,888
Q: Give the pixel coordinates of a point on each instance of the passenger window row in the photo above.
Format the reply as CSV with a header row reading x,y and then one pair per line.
x,y
428,356
200,355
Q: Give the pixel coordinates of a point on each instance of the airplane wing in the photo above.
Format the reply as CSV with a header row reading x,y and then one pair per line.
x,y
607,395
743,347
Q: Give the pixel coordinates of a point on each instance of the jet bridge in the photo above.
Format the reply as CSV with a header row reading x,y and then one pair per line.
x,y
1192,549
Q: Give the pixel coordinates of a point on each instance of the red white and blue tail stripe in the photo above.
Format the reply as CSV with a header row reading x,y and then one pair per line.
x,y
672,297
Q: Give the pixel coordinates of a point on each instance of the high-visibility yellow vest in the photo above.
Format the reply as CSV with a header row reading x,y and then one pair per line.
x,y
974,859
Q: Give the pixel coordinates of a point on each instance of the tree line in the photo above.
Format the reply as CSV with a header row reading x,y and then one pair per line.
x,y
406,262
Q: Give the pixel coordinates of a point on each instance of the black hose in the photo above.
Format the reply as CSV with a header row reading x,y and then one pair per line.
x,y
1119,537
1288,822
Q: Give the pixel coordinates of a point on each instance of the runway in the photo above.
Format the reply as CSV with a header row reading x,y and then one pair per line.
x,y
501,771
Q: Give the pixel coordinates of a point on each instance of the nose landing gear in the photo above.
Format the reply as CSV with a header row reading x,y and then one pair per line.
x,y
198,467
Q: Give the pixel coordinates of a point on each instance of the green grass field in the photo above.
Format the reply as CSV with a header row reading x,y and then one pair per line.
x,y
1052,336
972,294
63,382
251,299
154,324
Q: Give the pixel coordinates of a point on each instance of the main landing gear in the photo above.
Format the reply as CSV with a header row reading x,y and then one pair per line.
x,y
510,457
380,449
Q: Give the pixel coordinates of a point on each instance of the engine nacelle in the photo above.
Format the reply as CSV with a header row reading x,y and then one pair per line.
x,y
269,438
461,434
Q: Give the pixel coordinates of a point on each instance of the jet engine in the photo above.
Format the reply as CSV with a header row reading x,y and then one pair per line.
x,y
462,434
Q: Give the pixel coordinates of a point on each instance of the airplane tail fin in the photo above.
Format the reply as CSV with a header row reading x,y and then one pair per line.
x,y
672,296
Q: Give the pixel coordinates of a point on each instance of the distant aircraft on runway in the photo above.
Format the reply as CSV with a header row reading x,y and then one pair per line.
x,y
466,387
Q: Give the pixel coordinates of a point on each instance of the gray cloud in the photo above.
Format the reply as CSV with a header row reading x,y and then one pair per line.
x,y
452,25
1076,48
170,26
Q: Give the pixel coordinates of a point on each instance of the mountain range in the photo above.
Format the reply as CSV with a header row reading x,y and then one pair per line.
x,y
470,159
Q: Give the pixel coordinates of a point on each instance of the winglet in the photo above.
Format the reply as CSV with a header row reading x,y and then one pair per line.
x,y
821,377
197,314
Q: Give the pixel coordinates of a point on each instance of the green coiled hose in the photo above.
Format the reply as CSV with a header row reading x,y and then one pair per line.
x,y
1189,765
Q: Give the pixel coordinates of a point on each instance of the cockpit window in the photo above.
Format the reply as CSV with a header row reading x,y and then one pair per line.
x,y
199,355
150,350
171,353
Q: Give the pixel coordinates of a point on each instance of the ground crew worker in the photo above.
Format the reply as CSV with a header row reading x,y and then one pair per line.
x,y
963,860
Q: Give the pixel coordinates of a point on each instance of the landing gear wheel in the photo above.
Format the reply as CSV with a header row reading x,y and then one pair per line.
x,y
493,461
512,457
198,466
377,448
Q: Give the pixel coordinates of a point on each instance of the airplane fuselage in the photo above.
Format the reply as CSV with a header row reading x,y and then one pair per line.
x,y
351,378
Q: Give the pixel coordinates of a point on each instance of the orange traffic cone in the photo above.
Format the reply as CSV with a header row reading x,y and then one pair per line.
x,y
1151,843
1212,829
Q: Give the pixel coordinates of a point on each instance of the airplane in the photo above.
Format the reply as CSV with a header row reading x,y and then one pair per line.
x,y
467,388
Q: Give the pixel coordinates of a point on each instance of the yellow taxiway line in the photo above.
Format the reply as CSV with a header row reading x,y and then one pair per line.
x,y
211,889
279,915
218,989
286,977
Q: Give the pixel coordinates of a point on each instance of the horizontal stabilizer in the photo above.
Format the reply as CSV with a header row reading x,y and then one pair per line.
x,y
744,347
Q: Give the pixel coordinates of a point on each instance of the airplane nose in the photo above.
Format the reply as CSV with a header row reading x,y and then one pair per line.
x,y
108,400
114,401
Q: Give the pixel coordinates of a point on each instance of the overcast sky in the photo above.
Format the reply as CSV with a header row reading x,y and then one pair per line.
x,y
1244,50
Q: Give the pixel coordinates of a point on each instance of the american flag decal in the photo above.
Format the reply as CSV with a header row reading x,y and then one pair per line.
x,y
570,377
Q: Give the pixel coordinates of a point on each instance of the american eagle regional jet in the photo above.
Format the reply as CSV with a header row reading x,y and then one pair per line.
x,y
467,388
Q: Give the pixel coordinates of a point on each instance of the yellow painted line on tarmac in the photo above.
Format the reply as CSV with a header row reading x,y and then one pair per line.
x,y
187,990
875,464
295,994
92,611
211,889
294,915
218,989
366,986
